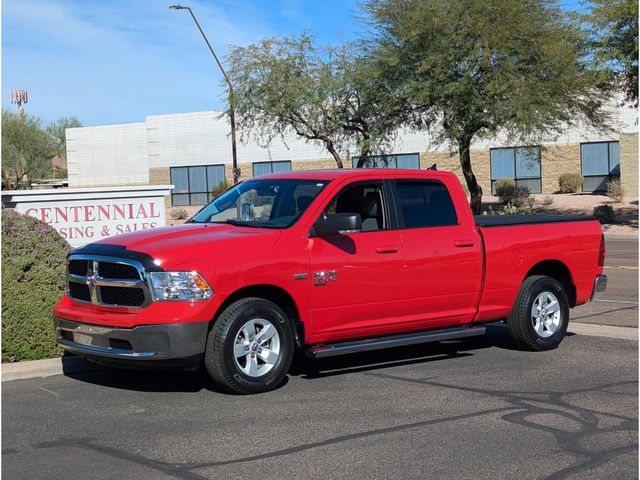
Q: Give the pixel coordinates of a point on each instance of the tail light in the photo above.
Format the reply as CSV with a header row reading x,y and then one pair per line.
x,y
601,255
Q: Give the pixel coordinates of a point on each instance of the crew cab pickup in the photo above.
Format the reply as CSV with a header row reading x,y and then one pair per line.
x,y
326,262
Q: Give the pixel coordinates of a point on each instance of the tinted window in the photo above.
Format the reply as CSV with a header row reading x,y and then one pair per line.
x,y
263,168
600,164
521,164
425,204
400,160
193,185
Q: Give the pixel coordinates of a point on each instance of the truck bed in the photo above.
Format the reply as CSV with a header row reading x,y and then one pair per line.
x,y
506,220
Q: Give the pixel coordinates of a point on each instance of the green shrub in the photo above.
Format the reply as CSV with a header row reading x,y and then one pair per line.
x,y
547,200
603,213
615,191
505,186
179,214
569,183
33,280
511,209
508,192
220,188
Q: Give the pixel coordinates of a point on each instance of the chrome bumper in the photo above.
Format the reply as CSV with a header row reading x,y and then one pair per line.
x,y
599,286
138,344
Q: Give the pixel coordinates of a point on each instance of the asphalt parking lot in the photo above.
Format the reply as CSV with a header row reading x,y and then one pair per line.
x,y
619,305
472,409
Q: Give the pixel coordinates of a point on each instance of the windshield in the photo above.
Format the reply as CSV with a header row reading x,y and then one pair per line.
x,y
262,203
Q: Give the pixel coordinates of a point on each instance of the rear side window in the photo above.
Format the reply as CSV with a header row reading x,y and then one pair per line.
x,y
425,204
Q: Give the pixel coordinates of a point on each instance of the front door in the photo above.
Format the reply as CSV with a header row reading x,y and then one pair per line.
x,y
357,277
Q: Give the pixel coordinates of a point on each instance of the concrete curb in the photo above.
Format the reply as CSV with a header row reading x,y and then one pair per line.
x,y
595,330
45,368
59,366
621,236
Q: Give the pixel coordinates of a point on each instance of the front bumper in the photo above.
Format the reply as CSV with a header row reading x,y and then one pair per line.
x,y
162,345
599,286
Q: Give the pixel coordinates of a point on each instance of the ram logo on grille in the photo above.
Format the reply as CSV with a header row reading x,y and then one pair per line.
x,y
107,281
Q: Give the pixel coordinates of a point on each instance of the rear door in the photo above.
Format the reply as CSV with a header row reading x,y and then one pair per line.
x,y
442,256
357,277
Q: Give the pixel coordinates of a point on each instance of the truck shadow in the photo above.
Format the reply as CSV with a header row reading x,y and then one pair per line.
x,y
195,381
496,337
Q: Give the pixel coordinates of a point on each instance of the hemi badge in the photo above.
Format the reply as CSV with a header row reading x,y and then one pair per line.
x,y
300,276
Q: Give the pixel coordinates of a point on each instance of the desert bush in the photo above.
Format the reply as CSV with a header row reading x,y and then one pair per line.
x,y
179,214
511,209
603,213
33,280
569,183
220,188
547,200
615,191
508,192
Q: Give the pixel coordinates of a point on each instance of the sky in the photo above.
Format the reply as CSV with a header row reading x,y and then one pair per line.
x,y
117,61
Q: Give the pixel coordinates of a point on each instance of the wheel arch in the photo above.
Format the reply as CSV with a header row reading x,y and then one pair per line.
x,y
558,270
272,293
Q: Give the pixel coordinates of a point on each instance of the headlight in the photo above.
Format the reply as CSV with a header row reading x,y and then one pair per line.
x,y
179,286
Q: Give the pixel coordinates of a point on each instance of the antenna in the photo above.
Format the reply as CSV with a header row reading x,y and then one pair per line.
x,y
19,97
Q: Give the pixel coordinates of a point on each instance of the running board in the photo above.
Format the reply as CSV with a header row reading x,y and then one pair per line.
x,y
330,350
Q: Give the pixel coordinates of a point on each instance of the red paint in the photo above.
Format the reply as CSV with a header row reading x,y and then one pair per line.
x,y
387,282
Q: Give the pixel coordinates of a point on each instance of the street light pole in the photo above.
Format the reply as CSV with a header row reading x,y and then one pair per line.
x,y
232,116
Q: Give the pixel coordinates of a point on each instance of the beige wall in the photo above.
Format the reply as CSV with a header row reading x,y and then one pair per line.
x,y
556,160
629,164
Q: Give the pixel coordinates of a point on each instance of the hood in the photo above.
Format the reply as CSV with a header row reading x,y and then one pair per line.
x,y
177,245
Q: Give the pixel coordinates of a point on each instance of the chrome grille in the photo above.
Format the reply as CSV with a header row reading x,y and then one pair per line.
x,y
107,281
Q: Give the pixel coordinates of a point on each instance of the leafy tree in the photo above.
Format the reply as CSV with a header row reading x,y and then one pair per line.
x,y
57,132
26,149
477,68
615,37
334,97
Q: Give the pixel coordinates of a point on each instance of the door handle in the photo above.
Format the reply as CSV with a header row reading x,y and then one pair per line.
x,y
464,243
387,249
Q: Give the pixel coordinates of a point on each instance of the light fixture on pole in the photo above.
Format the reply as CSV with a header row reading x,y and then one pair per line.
x,y
232,117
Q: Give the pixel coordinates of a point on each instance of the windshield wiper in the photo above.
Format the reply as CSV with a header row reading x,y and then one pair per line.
x,y
240,223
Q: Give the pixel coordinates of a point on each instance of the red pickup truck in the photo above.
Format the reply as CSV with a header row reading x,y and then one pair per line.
x,y
329,262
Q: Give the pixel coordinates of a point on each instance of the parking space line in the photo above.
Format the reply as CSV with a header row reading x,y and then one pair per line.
x,y
623,267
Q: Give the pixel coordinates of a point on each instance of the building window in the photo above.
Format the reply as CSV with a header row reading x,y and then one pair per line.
x,y
193,185
262,168
600,164
520,163
400,160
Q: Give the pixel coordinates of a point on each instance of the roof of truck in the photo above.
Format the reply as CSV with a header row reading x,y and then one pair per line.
x,y
360,172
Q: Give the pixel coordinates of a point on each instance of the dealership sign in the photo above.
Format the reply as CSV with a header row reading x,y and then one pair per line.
x,y
85,215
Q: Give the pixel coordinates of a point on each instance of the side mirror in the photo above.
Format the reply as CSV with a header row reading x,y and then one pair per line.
x,y
337,223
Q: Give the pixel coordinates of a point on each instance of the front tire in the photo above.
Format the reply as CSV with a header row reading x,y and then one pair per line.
x,y
540,316
250,347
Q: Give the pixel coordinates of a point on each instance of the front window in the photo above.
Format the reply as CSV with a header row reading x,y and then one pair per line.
x,y
262,203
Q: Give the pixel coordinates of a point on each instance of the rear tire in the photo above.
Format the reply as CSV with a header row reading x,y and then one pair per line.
x,y
540,316
250,347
